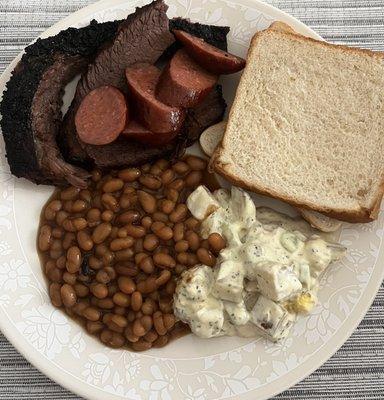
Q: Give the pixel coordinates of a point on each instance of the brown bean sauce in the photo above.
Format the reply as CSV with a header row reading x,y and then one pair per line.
x,y
109,253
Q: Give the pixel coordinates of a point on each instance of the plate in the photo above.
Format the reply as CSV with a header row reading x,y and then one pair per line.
x,y
189,368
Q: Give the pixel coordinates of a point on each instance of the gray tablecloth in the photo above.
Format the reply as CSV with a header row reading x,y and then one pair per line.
x,y
356,371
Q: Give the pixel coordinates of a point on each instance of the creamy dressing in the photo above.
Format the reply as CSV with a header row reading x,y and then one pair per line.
x,y
267,275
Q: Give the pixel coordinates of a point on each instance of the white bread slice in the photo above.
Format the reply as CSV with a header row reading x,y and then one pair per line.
x,y
317,220
307,126
320,221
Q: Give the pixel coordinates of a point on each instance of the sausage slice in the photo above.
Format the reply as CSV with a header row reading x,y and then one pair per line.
x,y
183,82
209,57
102,116
152,113
135,130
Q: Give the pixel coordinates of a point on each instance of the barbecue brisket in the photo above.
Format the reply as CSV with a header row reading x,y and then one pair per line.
x,y
31,103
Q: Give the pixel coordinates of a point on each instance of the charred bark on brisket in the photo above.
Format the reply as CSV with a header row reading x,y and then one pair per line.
x,y
31,104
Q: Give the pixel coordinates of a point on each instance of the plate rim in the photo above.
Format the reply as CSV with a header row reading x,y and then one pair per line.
x,y
290,379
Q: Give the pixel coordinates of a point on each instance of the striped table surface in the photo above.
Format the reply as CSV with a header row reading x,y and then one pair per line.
x,y
356,371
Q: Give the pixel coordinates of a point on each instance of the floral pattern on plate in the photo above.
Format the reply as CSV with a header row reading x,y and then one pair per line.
x,y
189,368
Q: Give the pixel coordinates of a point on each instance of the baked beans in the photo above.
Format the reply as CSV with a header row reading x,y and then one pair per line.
x,y
52,208
107,215
99,290
101,232
181,168
129,174
70,193
164,260
55,294
73,259
147,201
150,181
193,178
146,264
196,163
136,301
172,194
79,206
193,240
150,242
113,185
167,206
84,240
44,241
68,295
146,222
216,242
138,329
181,246
206,257
160,216
129,217
167,176
121,243
178,231
135,231
126,284
113,252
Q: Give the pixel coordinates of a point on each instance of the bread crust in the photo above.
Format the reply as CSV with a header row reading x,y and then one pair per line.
x,y
355,216
362,215
278,29
281,27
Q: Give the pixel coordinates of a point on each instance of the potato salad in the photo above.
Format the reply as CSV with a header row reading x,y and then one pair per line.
x,y
266,276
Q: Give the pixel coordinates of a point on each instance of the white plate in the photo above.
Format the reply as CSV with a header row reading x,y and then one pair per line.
x,y
189,368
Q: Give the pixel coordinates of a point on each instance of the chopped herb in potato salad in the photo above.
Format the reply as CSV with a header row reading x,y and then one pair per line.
x,y
266,275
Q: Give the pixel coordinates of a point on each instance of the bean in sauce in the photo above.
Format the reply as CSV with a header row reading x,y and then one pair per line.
x,y
112,252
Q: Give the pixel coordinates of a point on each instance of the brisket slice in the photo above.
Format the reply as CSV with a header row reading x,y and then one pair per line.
x,y
207,113
31,103
128,152
46,120
141,38
124,152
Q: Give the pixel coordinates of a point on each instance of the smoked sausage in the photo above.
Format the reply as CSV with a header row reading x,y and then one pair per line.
x,y
138,132
209,57
152,113
101,116
183,82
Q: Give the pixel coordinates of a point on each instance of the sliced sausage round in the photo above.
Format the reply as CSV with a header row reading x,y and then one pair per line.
x,y
140,133
102,116
209,57
152,113
183,82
